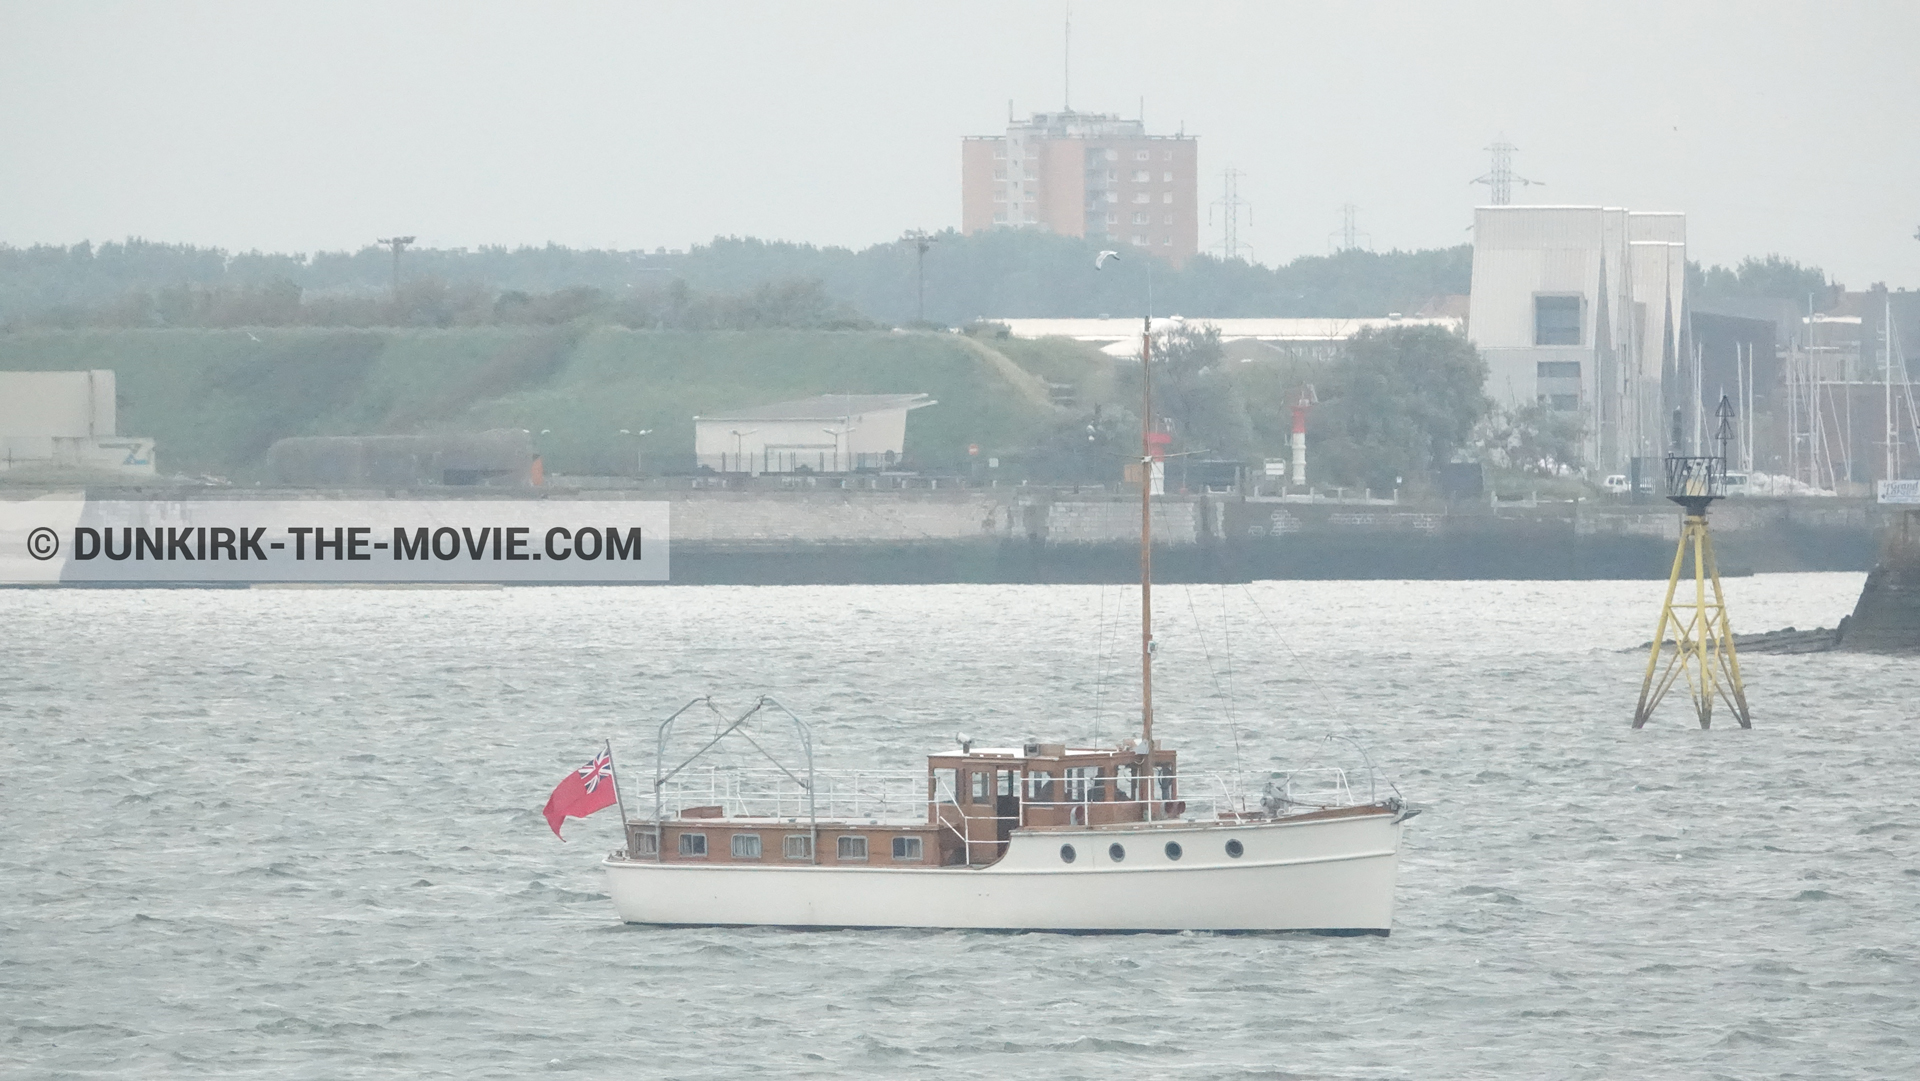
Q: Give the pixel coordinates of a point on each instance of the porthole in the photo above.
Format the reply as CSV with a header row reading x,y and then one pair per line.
x,y
1173,850
1116,852
1066,853
1236,849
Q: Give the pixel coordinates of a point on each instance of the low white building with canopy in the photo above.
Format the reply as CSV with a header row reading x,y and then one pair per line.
x,y
828,433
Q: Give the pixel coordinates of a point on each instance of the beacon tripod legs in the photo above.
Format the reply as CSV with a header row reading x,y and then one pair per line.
x,y
1703,651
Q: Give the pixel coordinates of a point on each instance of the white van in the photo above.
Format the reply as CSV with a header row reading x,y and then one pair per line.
x,y
1736,484
1616,484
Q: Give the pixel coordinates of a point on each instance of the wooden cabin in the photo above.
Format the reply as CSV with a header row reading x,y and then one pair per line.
x,y
976,798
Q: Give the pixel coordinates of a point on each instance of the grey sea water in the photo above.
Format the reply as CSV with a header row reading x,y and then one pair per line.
x,y
296,834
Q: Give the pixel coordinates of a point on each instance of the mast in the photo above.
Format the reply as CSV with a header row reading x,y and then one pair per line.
x,y
1146,537
1893,433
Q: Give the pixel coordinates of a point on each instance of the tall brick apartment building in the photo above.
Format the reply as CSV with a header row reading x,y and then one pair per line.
x,y
1089,175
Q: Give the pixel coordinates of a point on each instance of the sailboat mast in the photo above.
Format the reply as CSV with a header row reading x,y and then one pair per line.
x,y
1146,532
1886,356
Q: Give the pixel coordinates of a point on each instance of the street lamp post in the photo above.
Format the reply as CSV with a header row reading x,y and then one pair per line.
x,y
639,449
921,241
398,244
836,433
738,435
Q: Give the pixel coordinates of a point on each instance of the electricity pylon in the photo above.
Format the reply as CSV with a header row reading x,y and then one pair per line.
x,y
1230,205
1501,178
1703,653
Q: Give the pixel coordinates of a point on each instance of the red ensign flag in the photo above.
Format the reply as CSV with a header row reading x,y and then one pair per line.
x,y
585,791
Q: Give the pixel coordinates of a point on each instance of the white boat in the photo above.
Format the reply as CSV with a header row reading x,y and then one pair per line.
x,y
1040,837
1059,852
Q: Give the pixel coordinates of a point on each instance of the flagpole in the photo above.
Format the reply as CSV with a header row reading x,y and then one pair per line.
x,y
621,803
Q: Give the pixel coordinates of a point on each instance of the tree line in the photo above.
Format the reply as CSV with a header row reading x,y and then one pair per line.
x,y
431,302
986,275
999,273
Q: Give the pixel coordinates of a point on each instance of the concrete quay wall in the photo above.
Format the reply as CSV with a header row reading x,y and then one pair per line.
x,y
1031,534
1035,535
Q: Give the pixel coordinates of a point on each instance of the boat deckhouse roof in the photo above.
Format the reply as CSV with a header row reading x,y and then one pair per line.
x,y
1034,750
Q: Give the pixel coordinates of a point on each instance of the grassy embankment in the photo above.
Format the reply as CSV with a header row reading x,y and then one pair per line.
x,y
215,400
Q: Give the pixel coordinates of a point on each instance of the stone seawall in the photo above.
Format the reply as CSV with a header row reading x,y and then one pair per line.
x,y
1036,535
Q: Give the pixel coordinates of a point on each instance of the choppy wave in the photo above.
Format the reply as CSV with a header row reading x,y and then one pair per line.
x,y
297,834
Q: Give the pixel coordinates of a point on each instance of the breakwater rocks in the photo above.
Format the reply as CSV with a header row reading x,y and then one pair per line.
x,y
817,531
1790,640
1886,618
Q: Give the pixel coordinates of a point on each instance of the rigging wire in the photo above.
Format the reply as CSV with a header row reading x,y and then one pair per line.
x,y
1233,725
1214,675
1299,664
1100,661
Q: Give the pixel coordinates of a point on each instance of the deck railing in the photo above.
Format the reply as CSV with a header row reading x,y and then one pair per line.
x,y
897,797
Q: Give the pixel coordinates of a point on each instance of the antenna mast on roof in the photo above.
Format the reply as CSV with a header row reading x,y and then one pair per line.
x,y
1501,178
1066,65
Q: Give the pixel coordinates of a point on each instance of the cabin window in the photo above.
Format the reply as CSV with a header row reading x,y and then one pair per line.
x,y
1099,792
1116,852
945,788
852,848
1123,782
978,792
1067,855
746,846
907,848
1173,850
693,844
1077,783
649,844
1009,783
1040,787
798,846
1236,849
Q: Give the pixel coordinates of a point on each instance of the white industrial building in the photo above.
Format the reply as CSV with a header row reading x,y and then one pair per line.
x,y
831,433
1583,309
1243,339
66,421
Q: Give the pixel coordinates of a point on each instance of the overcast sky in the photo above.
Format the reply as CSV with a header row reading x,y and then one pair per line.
x,y
1775,127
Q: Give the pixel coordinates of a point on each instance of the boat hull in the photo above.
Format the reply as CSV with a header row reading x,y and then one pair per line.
x,y
1328,875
